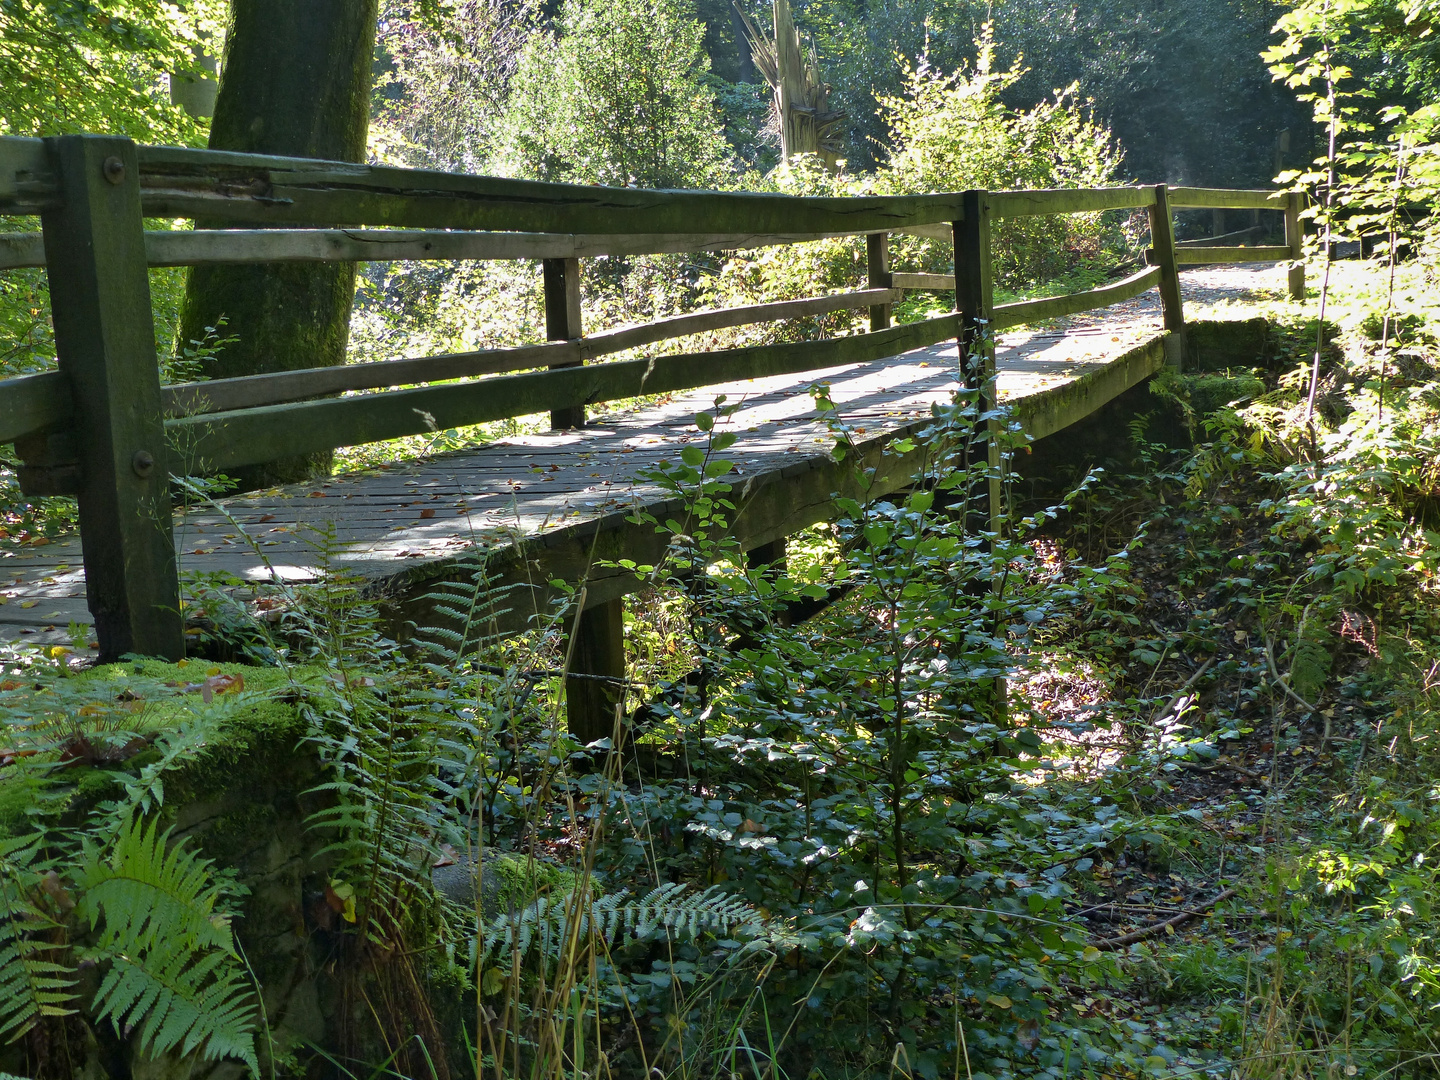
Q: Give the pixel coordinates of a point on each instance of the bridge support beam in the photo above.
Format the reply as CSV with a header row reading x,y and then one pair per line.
x,y
105,342
597,648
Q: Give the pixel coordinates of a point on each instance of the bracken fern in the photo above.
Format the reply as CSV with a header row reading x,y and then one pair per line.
x,y
173,973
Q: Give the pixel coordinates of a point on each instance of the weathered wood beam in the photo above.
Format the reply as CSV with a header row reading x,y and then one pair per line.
x,y
1162,247
202,246
1295,242
221,186
931,282
31,404
1210,256
1227,198
221,395
563,323
596,644
105,342
1009,204
27,177
221,440
878,275
1053,307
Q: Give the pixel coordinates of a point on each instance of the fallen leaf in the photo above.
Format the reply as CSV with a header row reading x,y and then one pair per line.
x,y
221,684
427,513
50,885
264,517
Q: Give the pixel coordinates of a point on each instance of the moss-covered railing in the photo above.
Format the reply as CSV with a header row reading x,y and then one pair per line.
x,y
103,428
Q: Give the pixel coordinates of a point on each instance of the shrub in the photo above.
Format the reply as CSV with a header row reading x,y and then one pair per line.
x,y
952,132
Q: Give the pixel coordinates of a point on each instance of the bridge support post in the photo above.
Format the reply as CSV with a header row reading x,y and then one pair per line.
x,y
877,257
1295,241
1162,244
105,341
562,323
597,648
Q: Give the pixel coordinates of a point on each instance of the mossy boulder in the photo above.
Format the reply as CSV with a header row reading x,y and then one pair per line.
x,y
240,794
1210,392
509,882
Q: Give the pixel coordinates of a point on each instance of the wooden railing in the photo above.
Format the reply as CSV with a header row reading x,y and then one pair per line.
x,y
102,427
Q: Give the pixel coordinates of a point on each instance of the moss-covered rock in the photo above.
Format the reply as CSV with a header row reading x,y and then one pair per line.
x,y
509,881
240,794
1212,391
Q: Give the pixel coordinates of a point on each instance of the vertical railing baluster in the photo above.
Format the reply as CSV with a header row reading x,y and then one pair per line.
x,y
562,323
1162,245
877,258
1295,241
105,341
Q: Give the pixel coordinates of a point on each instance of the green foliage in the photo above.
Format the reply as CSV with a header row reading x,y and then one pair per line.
x,y
96,886
450,64
33,985
616,95
68,66
952,132
174,976
668,911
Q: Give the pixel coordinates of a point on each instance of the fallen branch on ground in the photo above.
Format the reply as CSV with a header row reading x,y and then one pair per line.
x,y
1111,944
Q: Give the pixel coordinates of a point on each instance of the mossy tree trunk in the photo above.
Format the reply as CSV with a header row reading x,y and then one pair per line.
x,y
296,81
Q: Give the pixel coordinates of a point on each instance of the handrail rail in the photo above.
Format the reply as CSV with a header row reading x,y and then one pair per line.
x,y
251,391
209,246
104,416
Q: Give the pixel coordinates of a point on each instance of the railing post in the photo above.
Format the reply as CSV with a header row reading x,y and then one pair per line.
x,y
105,341
562,323
1295,241
877,257
975,301
1162,245
974,289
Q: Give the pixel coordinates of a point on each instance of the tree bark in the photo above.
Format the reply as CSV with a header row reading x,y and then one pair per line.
x,y
296,81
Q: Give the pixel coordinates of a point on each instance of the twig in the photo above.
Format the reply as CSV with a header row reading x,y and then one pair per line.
x,y
1111,944
1280,682
535,674
1195,766
1181,692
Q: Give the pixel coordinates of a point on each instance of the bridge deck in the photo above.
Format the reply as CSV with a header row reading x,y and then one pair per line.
x,y
569,493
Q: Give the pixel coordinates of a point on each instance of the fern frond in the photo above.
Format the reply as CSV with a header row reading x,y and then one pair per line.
x,y
670,907
32,985
179,1002
173,975
146,892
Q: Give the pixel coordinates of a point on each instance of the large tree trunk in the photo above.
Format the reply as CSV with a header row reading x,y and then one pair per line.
x,y
296,82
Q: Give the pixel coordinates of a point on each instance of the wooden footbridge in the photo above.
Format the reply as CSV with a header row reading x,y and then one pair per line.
x,y
102,427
